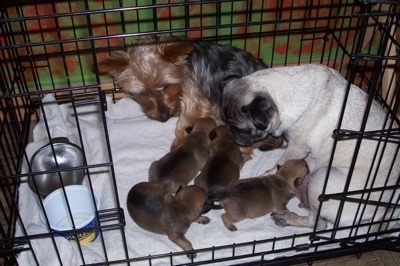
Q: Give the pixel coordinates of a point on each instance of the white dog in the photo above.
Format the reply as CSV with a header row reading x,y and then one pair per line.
x,y
304,104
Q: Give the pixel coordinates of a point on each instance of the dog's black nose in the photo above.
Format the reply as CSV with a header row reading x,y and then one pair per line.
x,y
164,117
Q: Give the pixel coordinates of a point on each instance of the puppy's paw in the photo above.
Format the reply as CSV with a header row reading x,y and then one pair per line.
x,y
301,205
246,158
247,152
280,218
284,144
271,143
231,227
203,220
228,223
191,255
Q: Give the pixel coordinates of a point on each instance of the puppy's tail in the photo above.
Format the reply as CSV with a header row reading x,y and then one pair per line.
x,y
214,200
211,205
218,195
215,204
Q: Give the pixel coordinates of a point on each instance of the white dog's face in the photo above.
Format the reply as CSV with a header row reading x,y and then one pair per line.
x,y
251,115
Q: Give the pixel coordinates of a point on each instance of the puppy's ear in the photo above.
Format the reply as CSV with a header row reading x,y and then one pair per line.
x,y
260,111
306,164
226,80
178,190
212,135
297,182
189,129
115,64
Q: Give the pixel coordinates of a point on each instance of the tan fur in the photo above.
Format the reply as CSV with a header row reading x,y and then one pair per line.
x,y
193,106
156,210
178,167
222,169
258,196
155,73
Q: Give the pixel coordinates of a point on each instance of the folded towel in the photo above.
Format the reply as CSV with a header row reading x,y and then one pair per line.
x,y
136,141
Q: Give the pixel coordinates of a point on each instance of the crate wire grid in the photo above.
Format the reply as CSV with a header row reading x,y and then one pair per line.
x,y
51,48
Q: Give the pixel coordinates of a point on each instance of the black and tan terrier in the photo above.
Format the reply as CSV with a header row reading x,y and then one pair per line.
x,y
175,76
179,167
155,209
257,196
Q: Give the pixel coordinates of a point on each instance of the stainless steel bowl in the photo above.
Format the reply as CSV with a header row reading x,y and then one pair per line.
x,y
66,155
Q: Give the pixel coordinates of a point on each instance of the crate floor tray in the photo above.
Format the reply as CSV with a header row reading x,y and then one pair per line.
x,y
135,141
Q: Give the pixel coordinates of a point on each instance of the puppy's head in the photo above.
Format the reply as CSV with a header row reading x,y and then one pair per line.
x,y
194,196
294,171
206,124
251,114
221,140
152,71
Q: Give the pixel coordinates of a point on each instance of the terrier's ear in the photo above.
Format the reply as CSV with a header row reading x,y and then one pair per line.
x,y
114,65
212,135
177,51
189,129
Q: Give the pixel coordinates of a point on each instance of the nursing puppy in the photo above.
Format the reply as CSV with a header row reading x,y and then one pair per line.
x,y
156,210
304,104
222,169
178,167
257,196
175,76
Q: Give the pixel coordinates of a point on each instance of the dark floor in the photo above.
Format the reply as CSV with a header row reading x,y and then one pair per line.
x,y
373,258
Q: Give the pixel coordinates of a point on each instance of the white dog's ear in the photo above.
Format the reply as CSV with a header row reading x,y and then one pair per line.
x,y
226,80
260,110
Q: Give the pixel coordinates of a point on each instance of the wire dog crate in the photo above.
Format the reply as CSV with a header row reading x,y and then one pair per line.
x,y
52,48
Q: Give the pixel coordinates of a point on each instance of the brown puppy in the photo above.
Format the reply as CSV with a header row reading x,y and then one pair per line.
x,y
257,196
156,210
222,169
178,167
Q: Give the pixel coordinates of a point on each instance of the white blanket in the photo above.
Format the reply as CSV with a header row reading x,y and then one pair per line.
x,y
136,141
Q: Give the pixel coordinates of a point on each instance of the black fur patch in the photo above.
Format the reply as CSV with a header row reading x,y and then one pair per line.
x,y
213,63
260,111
